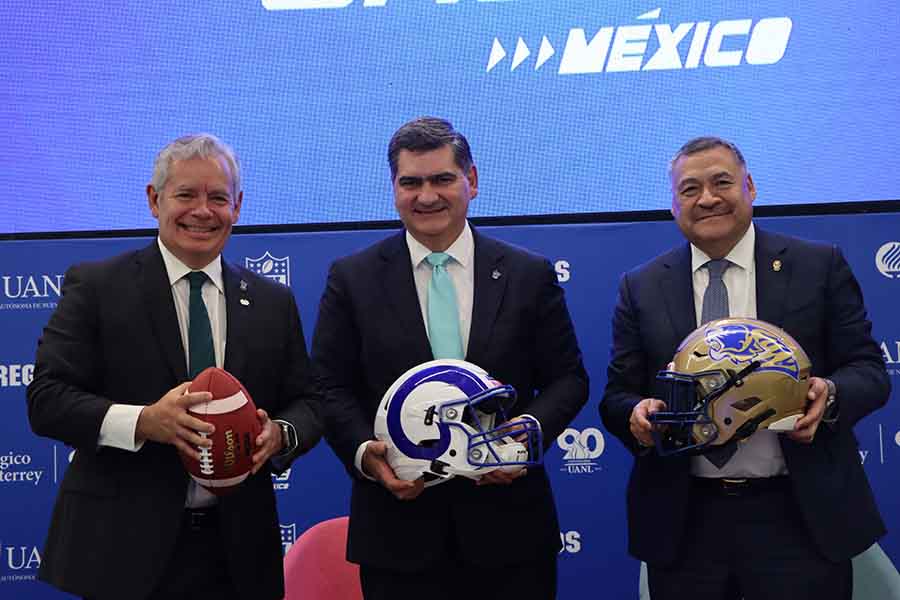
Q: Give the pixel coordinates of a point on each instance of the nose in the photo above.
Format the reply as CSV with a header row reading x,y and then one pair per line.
x,y
707,198
427,194
201,208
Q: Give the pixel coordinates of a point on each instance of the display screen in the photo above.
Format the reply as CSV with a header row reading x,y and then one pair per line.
x,y
570,106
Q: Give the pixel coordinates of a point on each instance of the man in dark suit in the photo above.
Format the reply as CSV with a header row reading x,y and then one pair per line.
x,y
460,538
782,517
111,379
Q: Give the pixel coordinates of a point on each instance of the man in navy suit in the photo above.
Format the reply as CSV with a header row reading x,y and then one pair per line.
x,y
461,538
783,516
111,379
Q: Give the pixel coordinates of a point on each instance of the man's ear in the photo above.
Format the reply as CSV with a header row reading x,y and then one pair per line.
x,y
237,207
153,200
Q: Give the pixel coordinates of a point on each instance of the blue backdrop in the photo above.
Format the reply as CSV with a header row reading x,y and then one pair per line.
x,y
563,100
587,466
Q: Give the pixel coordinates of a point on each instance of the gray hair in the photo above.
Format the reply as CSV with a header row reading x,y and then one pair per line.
x,y
429,133
198,145
701,144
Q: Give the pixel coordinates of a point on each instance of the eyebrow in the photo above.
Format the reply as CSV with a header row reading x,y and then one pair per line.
x,y
420,178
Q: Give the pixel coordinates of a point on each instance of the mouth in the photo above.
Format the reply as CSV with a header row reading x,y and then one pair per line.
x,y
198,230
429,211
707,217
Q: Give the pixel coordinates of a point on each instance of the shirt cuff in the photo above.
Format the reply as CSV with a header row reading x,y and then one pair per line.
x,y
357,461
119,427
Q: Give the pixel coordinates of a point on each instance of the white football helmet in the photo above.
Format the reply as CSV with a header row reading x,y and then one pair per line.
x,y
448,417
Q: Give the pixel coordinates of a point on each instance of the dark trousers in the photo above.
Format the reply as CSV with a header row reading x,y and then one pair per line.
x,y
748,541
198,567
532,580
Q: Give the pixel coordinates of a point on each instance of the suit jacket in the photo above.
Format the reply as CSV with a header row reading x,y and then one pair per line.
x,y
816,299
370,331
114,338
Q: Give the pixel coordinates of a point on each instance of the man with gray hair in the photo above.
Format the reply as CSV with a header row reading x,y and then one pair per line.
x,y
111,380
778,515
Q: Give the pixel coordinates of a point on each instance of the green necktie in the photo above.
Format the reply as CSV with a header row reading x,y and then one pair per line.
x,y
443,315
200,344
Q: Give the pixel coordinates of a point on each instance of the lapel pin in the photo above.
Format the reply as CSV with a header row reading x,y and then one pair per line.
x,y
496,274
245,302
243,285
776,265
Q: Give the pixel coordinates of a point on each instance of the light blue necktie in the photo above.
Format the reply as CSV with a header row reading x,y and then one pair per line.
x,y
443,315
715,298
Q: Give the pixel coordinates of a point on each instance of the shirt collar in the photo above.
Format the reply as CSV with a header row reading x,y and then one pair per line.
x,y
741,255
177,269
462,250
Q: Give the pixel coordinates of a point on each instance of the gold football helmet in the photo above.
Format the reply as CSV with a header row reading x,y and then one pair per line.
x,y
731,377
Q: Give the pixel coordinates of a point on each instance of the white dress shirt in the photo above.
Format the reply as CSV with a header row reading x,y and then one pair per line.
x,y
120,423
759,455
461,268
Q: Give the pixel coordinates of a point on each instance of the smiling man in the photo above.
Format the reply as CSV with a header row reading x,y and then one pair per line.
x,y
111,377
777,516
509,316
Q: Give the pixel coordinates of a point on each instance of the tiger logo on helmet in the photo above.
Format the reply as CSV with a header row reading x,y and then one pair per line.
x,y
729,378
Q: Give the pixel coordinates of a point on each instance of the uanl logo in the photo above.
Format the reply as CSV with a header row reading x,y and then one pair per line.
x,y
23,292
17,468
16,375
581,448
269,266
20,562
887,260
283,481
683,46
288,536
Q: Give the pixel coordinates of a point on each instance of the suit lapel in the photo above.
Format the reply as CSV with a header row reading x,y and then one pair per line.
x,y
157,294
399,288
490,285
773,272
239,308
678,291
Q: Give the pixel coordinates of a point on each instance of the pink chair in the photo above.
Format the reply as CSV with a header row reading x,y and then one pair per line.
x,y
315,568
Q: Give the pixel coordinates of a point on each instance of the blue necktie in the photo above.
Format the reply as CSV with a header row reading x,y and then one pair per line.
x,y
715,306
200,343
443,315
715,299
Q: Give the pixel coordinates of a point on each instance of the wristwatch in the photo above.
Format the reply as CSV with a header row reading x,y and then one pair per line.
x,y
831,404
289,438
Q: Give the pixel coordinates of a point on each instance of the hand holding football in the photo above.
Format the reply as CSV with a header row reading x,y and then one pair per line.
x,y
228,461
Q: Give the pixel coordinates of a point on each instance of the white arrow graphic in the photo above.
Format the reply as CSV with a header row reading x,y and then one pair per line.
x,y
544,53
522,52
497,54
653,14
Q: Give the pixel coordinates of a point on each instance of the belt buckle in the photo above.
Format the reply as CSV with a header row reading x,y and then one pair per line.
x,y
734,487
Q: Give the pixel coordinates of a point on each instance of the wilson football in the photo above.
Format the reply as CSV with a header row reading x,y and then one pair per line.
x,y
227,463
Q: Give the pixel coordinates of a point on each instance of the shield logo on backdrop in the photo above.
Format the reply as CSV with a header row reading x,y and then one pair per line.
x,y
288,536
269,266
